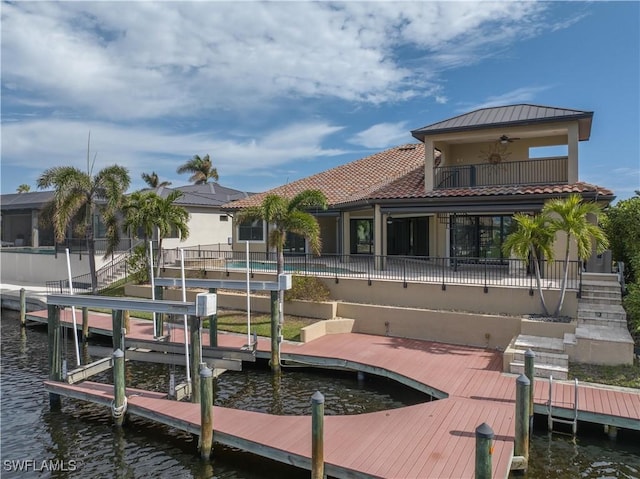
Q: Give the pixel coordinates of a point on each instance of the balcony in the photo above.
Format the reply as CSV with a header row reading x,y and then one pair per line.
x,y
529,172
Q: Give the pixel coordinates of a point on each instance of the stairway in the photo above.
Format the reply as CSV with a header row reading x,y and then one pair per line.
x,y
601,334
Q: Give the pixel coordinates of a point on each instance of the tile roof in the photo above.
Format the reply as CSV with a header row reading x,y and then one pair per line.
x,y
353,181
411,185
510,115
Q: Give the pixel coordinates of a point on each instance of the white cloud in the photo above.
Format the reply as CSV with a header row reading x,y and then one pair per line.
x,y
55,143
382,135
149,59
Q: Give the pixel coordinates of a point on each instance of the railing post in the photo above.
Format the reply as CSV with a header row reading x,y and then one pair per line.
x,y
529,371
521,446
206,412
317,435
119,407
484,451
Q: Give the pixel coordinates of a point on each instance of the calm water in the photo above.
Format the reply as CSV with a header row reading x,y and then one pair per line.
x,y
83,438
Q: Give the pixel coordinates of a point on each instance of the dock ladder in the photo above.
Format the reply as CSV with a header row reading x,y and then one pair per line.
x,y
550,417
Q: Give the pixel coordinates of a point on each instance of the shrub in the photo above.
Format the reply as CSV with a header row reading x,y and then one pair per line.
x,y
139,265
307,288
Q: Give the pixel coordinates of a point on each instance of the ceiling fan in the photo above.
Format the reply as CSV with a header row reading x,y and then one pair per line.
x,y
504,139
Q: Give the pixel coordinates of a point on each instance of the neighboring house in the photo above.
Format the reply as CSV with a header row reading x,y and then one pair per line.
x,y
20,219
208,224
451,195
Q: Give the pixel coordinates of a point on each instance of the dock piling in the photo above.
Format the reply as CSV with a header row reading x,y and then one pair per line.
x,y
55,359
317,435
159,332
23,307
484,451
521,447
213,325
195,356
275,331
85,324
529,371
119,405
117,325
206,412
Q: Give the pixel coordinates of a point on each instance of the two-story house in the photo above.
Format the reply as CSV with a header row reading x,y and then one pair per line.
x,y
453,194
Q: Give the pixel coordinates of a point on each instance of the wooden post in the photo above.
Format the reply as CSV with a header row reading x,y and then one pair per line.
x,y
23,307
85,324
117,326
275,344
119,407
195,356
213,325
126,320
317,435
529,371
484,451
55,359
159,316
206,412
521,447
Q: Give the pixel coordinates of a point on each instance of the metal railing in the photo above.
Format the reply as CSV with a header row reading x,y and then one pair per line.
x,y
528,172
116,269
406,269
80,245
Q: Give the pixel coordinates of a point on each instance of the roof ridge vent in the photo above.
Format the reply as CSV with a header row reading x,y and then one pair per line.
x,y
407,147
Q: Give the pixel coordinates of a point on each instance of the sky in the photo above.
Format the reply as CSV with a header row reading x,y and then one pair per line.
x,y
274,92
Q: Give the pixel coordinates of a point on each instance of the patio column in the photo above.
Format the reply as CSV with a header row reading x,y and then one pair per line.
x,y
377,237
428,164
346,244
35,240
572,144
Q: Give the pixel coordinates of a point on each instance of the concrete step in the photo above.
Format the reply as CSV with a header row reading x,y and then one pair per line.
x,y
605,322
539,344
541,370
542,357
601,311
597,294
600,277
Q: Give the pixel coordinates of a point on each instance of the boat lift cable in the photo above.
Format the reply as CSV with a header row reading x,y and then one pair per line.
x,y
186,328
153,289
73,310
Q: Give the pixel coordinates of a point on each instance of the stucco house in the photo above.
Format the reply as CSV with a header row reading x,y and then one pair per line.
x,y
22,226
450,195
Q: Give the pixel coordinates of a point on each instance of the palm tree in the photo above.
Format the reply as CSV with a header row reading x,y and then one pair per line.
x,y
23,188
153,181
78,197
286,215
531,241
200,168
147,211
571,216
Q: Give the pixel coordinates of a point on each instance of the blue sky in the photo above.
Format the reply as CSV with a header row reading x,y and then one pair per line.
x,y
278,91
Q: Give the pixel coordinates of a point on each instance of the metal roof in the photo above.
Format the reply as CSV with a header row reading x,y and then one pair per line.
x,y
25,201
510,115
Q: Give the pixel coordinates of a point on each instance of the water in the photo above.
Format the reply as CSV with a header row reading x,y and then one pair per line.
x,y
83,441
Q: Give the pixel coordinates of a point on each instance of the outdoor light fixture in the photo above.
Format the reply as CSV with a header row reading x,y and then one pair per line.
x,y
389,220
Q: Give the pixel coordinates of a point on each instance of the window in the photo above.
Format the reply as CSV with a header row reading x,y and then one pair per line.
x,y
224,218
479,237
251,231
362,236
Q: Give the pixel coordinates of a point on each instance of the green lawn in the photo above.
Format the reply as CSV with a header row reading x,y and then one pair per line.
x,y
625,376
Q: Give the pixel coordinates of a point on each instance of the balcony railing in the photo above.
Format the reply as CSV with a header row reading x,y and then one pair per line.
x,y
528,172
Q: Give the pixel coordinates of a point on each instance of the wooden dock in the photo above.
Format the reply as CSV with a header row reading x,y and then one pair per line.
x,y
434,439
